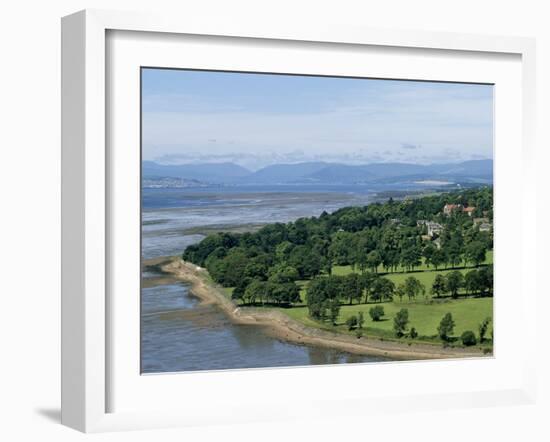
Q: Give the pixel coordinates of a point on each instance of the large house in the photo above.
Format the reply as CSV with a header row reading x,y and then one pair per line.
x,y
434,228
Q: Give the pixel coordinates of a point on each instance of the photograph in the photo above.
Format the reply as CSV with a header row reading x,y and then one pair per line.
x,y
299,220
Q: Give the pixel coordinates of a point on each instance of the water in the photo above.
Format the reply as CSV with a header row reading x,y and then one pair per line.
x,y
170,215
179,334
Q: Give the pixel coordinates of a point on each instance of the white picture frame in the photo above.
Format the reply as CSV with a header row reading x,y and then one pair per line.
x,y
87,207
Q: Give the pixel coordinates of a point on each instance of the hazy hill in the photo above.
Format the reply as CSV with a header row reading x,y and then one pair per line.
x,y
332,173
326,173
368,172
284,173
472,167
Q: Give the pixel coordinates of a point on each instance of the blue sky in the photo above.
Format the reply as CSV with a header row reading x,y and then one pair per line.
x,y
260,119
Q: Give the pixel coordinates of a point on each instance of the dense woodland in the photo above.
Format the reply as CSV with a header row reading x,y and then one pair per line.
x,y
377,239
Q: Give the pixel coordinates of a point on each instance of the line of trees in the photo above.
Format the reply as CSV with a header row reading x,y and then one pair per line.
x,y
325,294
267,292
475,282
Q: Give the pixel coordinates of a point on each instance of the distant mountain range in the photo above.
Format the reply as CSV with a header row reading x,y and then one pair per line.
x,y
473,171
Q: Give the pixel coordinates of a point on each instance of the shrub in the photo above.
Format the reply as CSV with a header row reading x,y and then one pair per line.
x,y
351,322
376,312
468,338
413,333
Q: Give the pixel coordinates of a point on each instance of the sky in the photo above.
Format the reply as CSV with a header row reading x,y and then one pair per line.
x,y
255,120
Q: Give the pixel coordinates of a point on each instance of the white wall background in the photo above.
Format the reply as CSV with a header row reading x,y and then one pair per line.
x,y
30,214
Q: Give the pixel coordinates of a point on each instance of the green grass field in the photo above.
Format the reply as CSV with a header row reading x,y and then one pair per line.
x,y
425,317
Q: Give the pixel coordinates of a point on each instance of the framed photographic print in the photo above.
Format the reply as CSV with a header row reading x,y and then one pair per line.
x,y
255,216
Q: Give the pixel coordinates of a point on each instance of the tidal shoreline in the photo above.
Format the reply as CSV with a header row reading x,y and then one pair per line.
x,y
283,327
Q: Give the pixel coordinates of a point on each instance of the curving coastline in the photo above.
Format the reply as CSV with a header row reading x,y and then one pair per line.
x,y
285,328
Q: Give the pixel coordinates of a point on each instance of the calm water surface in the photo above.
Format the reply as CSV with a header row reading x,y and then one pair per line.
x,y
178,334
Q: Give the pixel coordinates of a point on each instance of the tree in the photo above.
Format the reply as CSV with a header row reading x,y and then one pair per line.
x,y
238,293
413,287
376,312
322,295
255,290
282,251
486,280
362,253
468,338
428,252
439,286
382,289
284,293
226,269
283,273
198,253
307,263
446,327
367,282
455,281
255,269
374,260
316,296
390,259
400,322
342,248
438,258
292,292
472,282
352,287
483,327
390,244
401,291
475,253
237,296
410,257
453,251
